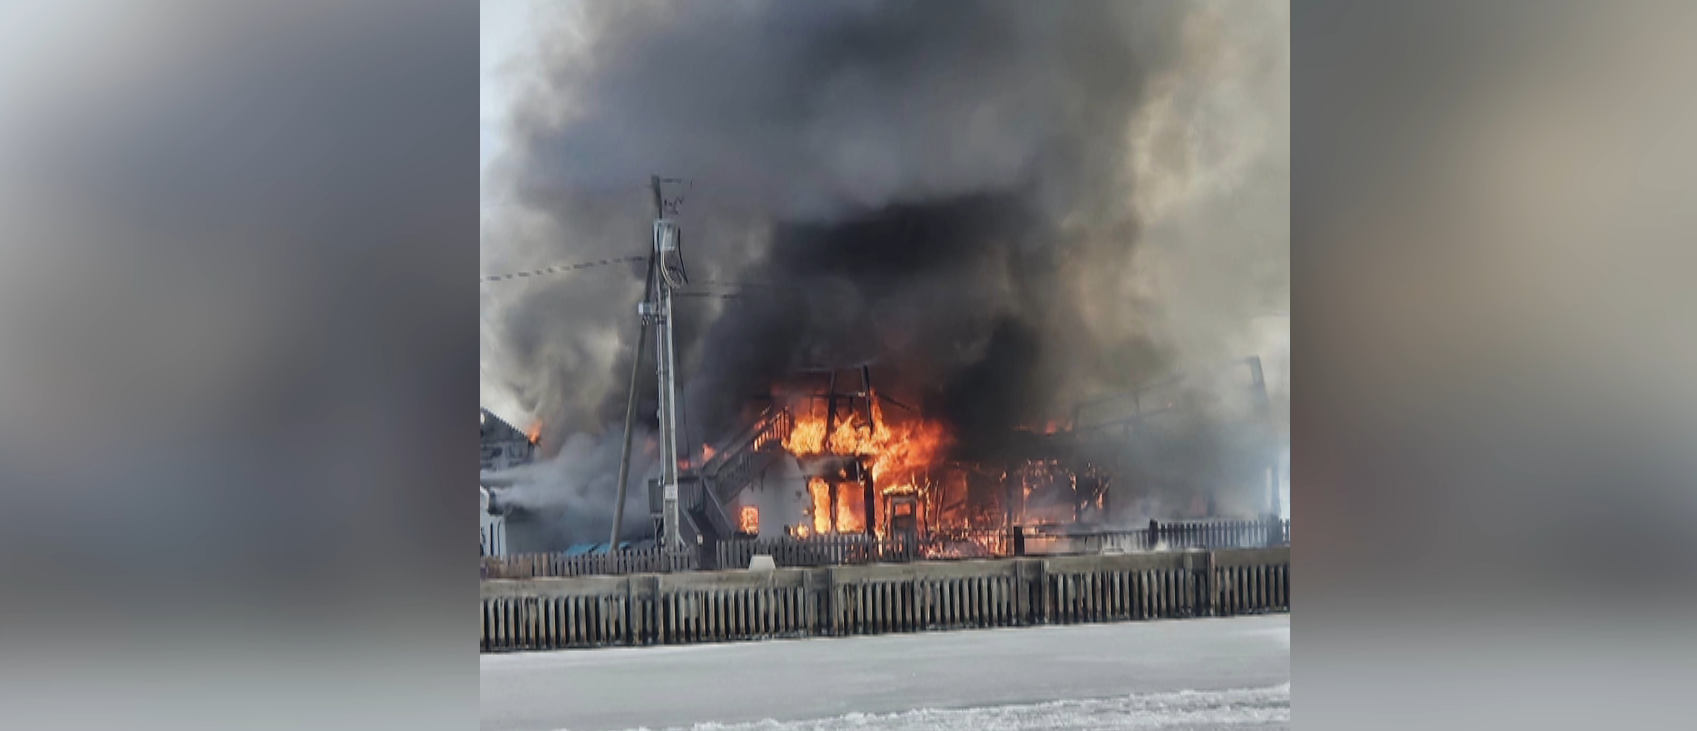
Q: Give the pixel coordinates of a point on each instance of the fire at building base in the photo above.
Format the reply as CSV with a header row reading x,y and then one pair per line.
x,y
820,459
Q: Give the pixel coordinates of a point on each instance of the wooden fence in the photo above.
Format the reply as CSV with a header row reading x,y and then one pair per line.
x,y
538,565
1177,536
670,609
827,550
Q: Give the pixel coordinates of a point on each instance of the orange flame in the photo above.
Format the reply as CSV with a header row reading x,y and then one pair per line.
x,y
535,432
749,520
851,511
899,454
897,450
820,491
707,452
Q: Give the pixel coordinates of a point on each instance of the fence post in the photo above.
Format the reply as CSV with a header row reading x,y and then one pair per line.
x,y
1213,585
828,602
1032,582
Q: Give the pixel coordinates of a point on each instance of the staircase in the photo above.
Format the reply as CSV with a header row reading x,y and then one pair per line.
x,y
747,455
738,463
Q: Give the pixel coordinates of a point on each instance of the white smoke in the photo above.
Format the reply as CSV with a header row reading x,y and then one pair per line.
x,y
574,489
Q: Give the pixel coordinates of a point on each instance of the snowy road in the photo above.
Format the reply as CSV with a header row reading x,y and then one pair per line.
x,y
1192,674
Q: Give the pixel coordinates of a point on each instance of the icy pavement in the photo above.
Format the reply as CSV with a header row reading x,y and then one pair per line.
x,y
1178,674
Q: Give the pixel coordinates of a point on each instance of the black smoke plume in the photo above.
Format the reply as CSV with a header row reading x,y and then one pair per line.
x,y
1004,207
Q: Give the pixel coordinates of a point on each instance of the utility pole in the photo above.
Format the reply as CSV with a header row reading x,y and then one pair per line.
x,y
636,369
666,241
656,310
630,411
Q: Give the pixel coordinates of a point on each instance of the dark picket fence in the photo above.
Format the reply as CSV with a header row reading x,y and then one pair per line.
x,y
720,606
618,563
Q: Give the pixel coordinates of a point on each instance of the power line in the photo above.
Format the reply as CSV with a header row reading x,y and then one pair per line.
x,y
562,268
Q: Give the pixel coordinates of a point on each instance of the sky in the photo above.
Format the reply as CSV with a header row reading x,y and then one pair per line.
x,y
505,36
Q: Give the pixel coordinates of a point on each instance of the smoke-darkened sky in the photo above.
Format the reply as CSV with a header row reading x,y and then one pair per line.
x,y
1006,206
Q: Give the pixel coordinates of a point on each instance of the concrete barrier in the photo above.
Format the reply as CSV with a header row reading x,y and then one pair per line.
x,y
726,606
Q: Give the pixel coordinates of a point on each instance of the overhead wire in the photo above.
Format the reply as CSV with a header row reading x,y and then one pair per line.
x,y
562,268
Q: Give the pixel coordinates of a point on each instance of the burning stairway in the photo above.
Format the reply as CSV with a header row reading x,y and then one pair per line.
x,y
703,493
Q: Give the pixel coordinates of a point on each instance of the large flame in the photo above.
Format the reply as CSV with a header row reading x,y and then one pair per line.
x,y
851,511
905,458
898,451
899,454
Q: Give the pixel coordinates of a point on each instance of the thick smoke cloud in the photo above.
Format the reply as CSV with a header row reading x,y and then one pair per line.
x,y
568,497
1006,207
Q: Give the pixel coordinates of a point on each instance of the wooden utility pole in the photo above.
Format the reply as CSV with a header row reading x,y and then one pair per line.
x,y
635,372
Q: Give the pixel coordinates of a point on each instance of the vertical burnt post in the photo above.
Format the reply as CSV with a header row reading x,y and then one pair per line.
x,y
866,389
1008,504
870,495
831,489
830,411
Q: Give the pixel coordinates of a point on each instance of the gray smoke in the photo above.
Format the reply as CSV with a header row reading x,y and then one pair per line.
x,y
1006,207
568,497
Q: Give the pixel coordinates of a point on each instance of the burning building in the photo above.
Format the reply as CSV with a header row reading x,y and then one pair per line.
x,y
829,454
1006,209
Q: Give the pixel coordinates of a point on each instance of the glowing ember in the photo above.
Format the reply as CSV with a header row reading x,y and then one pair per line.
x,y
1051,427
1049,493
749,520
535,432
707,452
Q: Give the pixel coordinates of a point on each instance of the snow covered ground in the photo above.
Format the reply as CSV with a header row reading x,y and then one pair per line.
x,y
1179,674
